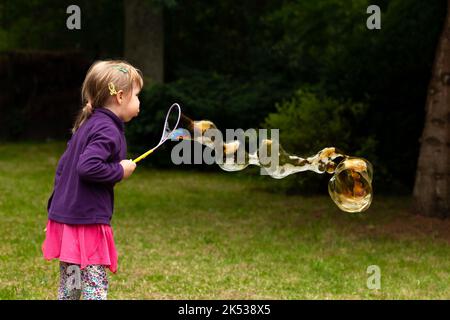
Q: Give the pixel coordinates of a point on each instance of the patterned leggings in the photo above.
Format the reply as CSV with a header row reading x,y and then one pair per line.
x,y
91,282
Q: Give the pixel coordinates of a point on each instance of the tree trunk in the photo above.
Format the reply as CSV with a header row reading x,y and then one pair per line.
x,y
432,186
144,38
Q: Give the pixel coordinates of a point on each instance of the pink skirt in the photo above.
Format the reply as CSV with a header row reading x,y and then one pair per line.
x,y
83,244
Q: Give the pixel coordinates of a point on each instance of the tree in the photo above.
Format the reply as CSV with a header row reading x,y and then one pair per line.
x,y
432,185
144,37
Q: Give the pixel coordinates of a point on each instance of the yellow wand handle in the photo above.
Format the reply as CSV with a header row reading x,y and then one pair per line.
x,y
143,156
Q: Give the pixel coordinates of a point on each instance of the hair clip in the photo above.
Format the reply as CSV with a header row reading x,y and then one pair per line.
x,y
112,89
120,68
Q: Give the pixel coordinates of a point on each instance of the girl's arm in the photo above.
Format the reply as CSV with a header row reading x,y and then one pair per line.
x,y
94,163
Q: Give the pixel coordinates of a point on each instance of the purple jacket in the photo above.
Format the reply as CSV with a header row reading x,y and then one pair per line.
x,y
88,170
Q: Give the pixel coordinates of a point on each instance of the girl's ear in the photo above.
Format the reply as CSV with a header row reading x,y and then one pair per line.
x,y
119,96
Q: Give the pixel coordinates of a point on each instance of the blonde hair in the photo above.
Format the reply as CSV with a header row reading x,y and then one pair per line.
x,y
102,80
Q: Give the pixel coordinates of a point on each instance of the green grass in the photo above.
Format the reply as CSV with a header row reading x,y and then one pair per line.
x,y
194,235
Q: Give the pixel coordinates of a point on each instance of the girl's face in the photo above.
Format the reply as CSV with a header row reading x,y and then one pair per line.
x,y
131,105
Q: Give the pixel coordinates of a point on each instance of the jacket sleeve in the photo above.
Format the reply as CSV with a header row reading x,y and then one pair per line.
x,y
95,164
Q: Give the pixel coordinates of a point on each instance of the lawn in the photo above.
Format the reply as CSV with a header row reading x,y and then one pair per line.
x,y
207,235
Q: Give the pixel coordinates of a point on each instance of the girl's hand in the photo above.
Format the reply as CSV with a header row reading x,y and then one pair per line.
x,y
128,167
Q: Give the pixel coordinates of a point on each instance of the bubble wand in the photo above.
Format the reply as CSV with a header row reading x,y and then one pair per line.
x,y
167,132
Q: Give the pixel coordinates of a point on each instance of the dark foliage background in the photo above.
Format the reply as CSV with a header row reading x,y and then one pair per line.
x,y
310,68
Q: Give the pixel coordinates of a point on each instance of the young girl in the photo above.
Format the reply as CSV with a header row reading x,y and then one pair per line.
x,y
81,206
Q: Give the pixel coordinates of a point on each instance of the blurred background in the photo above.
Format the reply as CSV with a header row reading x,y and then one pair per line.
x,y
310,68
